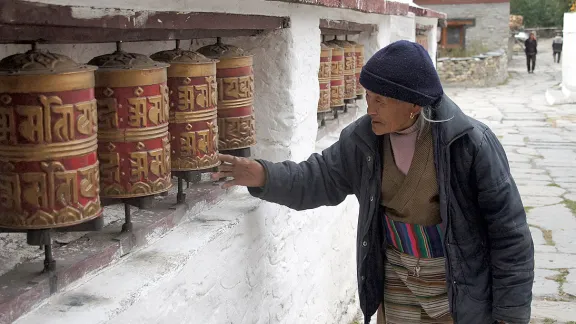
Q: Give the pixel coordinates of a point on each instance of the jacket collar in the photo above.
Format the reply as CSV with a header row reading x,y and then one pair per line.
x,y
456,125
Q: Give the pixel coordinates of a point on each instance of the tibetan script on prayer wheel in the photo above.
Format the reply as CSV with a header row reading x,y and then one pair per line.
x,y
336,76
324,78
235,77
349,67
48,165
359,51
193,98
133,114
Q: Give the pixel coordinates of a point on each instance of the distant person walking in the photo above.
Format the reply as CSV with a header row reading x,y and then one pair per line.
x,y
557,43
531,49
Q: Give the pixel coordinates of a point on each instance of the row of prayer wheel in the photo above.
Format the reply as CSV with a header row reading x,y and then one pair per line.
x,y
71,134
341,62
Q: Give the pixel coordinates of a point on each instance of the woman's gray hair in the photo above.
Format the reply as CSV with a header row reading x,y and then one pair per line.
x,y
426,118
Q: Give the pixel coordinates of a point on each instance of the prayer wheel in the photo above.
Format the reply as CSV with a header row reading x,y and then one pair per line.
x,y
235,77
359,51
349,68
336,77
48,164
133,113
324,78
193,97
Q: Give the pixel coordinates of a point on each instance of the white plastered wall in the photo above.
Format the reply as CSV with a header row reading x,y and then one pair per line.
x,y
569,52
432,35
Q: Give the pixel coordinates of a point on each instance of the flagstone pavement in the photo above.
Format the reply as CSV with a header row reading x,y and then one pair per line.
x,y
540,141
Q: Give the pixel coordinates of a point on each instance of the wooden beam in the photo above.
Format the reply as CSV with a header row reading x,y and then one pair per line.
x,y
445,2
342,27
73,35
19,12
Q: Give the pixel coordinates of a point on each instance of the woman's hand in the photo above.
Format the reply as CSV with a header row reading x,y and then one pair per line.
x,y
245,172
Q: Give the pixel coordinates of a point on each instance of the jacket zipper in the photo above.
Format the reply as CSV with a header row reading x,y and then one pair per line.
x,y
448,225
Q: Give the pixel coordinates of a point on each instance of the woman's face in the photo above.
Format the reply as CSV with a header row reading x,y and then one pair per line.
x,y
390,115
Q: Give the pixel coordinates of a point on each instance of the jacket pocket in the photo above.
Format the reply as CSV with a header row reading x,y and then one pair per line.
x,y
472,311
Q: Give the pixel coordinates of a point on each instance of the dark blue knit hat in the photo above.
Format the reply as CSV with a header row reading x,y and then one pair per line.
x,y
403,70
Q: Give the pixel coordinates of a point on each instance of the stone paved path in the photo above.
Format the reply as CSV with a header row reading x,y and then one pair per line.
x,y
540,141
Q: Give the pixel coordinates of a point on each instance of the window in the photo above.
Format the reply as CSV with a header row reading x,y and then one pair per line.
x,y
454,35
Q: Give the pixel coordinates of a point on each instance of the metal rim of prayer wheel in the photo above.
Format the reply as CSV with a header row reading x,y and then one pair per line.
x,y
193,115
324,78
349,67
133,114
48,139
359,50
336,76
235,77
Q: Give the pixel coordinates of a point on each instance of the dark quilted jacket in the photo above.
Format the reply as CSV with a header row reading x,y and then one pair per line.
x,y
489,249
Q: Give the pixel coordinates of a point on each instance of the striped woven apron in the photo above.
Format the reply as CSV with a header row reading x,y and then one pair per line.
x,y
415,288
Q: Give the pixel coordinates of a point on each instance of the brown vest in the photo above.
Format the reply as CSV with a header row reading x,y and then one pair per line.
x,y
412,198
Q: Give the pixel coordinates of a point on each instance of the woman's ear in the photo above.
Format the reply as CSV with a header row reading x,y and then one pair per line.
x,y
416,109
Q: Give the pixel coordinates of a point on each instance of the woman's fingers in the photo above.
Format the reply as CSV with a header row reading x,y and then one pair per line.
x,y
229,184
225,168
219,175
227,158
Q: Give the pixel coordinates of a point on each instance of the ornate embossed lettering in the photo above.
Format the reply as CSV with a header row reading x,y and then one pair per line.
x,y
89,181
336,95
157,165
237,132
157,114
64,128
350,64
7,126
137,112
214,129
187,144
202,96
10,189
186,98
109,166
203,138
34,189
61,184
88,119
165,99
212,90
337,68
139,165
324,102
31,128
237,88
325,70
107,113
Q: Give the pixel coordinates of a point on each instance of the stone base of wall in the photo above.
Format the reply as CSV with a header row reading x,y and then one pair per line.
x,y
486,70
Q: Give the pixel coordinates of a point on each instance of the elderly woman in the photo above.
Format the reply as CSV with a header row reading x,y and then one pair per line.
x,y
442,233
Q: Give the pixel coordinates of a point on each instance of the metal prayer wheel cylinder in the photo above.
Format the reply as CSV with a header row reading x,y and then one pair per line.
x,y
349,68
133,113
324,78
336,76
48,165
235,77
193,98
359,51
